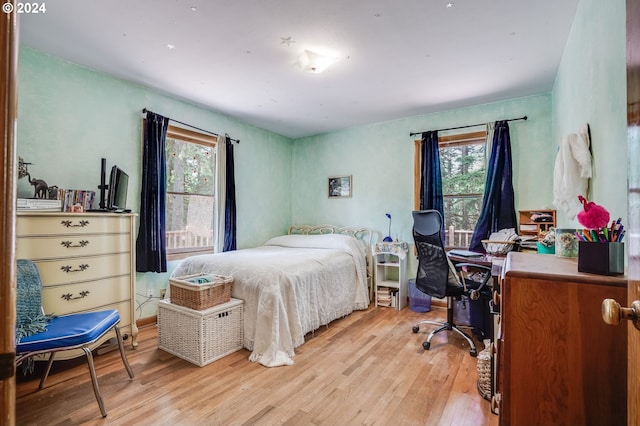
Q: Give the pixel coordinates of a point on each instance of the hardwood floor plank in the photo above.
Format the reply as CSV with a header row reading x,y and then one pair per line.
x,y
365,369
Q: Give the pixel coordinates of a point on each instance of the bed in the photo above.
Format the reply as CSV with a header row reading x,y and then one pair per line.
x,y
292,285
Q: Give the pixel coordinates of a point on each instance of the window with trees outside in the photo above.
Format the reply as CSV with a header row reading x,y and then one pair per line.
x,y
190,191
463,166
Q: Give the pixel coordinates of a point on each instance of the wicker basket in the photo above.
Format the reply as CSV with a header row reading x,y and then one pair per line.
x,y
484,373
200,291
200,337
498,248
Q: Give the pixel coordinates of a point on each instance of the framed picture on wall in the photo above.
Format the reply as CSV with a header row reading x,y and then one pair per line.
x,y
340,186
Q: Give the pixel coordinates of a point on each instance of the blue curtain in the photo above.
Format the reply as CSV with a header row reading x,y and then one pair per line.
x,y
430,174
151,252
498,207
230,202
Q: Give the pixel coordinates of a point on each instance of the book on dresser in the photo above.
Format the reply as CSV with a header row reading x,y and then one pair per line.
x,y
38,204
86,262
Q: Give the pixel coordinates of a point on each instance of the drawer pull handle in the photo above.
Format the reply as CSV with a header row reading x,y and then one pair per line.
x,y
69,244
70,224
68,268
69,296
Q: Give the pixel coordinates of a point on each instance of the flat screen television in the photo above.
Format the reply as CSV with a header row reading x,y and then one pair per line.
x,y
118,186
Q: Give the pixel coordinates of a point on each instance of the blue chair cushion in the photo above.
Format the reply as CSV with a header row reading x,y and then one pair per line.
x,y
70,331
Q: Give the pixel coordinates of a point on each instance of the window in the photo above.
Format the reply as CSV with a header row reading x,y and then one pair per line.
x,y
190,191
463,165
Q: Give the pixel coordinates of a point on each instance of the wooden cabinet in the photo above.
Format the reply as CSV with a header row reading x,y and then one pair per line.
x,y
390,274
558,362
528,224
86,263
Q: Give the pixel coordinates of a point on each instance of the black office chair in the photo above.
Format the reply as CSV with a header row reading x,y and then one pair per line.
x,y
438,277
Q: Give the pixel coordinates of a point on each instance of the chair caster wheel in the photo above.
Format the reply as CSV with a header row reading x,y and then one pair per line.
x,y
415,329
426,345
473,352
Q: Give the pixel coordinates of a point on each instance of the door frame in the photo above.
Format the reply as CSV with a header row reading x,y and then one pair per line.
x,y
8,125
633,199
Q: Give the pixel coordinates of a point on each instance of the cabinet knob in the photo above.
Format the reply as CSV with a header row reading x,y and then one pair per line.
x,y
496,298
613,313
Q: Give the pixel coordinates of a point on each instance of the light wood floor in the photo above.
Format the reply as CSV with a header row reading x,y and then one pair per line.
x,y
367,368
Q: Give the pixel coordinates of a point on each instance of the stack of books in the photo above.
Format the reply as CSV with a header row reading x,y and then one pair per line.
x,y
76,197
384,296
387,297
38,204
67,200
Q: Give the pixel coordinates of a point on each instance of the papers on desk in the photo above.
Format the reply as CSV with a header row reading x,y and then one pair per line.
x,y
465,253
528,242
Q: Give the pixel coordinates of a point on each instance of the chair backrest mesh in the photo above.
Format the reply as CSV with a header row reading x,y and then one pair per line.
x,y
433,268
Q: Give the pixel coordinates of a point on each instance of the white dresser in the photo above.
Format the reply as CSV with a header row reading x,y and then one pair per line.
x,y
86,262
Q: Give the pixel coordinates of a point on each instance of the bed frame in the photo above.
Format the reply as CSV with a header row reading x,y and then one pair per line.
x,y
363,234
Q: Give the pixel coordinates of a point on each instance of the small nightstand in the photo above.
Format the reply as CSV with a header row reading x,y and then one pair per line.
x,y
390,274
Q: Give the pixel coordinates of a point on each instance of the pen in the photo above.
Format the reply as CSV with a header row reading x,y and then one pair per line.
x,y
603,239
605,231
587,237
594,236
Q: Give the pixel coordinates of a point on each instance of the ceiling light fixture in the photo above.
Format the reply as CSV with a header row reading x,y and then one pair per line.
x,y
171,46
449,5
287,41
315,62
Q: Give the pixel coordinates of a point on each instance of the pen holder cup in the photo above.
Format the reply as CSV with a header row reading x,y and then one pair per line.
x,y
601,258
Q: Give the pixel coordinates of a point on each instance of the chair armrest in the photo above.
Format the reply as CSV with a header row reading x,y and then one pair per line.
x,y
474,267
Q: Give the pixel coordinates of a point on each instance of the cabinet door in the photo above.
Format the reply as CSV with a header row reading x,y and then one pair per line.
x,y
561,361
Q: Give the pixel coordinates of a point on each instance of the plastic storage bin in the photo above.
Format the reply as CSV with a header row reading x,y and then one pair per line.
x,y
418,301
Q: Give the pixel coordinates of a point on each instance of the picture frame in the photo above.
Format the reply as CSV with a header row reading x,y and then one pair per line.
x,y
340,186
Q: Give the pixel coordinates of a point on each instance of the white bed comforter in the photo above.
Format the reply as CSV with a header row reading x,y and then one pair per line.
x,y
290,286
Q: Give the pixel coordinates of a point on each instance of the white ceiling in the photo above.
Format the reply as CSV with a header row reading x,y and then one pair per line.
x,y
398,58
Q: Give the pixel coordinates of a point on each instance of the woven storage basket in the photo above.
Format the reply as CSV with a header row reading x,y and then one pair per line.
x,y
484,373
200,291
200,337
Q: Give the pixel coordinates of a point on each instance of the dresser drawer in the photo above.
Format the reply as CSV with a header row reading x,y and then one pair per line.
x,y
70,298
69,224
71,246
64,271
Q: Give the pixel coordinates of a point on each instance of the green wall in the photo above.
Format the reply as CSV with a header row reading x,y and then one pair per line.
x,y
69,117
590,87
380,158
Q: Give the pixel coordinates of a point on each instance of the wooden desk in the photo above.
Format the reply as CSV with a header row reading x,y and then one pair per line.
x,y
558,362
483,259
